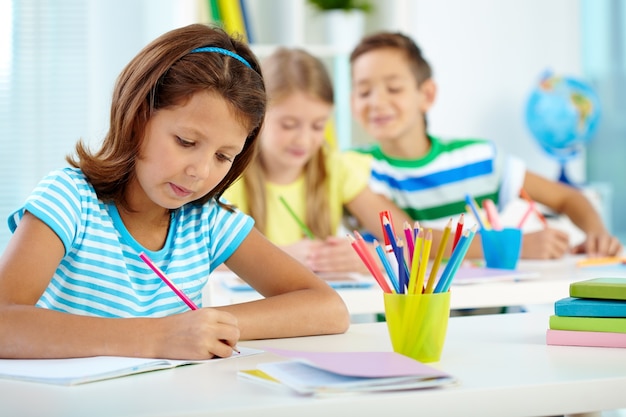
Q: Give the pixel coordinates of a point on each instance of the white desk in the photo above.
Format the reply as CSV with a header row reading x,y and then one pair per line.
x,y
551,284
503,364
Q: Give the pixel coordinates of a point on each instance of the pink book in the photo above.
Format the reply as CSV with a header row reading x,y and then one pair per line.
x,y
583,338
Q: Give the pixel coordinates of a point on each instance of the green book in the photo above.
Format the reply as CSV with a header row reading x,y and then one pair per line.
x,y
589,324
607,288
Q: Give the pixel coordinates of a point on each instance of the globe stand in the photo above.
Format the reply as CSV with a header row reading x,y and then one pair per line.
x,y
563,175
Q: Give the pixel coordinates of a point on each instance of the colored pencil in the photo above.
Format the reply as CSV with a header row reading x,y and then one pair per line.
x,y
526,214
492,214
410,243
403,273
169,282
307,232
416,229
455,261
541,217
437,262
382,215
415,266
388,229
172,286
361,249
458,232
475,210
391,274
459,261
428,240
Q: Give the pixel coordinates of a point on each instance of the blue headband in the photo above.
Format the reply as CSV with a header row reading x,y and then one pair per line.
x,y
223,52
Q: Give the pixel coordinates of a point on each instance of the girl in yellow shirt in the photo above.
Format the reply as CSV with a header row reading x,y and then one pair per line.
x,y
295,163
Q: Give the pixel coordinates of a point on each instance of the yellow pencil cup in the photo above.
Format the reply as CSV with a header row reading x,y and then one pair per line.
x,y
417,324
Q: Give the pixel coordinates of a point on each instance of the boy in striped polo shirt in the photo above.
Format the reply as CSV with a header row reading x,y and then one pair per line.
x,y
428,177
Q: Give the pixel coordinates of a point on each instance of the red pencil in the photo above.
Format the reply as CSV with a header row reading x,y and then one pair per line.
x,y
382,215
458,232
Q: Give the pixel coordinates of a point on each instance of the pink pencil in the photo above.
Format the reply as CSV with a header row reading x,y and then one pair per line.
x,y
529,210
408,236
173,286
166,280
492,214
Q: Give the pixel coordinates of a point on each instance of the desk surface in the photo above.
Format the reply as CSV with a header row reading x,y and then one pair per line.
x,y
551,284
503,364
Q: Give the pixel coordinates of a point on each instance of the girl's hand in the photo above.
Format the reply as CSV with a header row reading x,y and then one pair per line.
x,y
302,250
599,245
200,334
545,244
335,254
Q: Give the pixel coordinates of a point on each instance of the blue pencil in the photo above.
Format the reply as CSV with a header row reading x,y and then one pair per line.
x,y
472,205
389,233
455,261
390,272
447,271
459,261
403,271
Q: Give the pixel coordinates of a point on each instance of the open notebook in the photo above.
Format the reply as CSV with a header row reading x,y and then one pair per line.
x,y
74,371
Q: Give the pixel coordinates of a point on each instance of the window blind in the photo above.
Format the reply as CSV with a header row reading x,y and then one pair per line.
x,y
43,104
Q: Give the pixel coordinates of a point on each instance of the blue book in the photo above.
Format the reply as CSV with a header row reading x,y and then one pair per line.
x,y
589,307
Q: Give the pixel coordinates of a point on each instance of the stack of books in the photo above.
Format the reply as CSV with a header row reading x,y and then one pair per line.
x,y
593,315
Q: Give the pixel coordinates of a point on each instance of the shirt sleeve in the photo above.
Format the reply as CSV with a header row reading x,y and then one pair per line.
x,y
355,173
513,175
227,229
55,201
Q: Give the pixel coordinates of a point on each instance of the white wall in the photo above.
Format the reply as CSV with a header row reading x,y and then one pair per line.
x,y
119,29
486,56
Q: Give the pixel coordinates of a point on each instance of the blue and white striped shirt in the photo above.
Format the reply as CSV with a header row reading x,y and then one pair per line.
x,y
101,273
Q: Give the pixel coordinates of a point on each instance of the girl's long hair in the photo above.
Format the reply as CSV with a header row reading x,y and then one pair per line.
x,y
288,71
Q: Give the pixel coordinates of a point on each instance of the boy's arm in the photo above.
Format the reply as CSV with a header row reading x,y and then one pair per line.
x,y
569,201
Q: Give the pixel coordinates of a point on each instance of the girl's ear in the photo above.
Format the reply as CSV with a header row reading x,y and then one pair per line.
x,y
428,92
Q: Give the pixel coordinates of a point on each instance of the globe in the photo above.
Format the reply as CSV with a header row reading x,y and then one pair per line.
x,y
562,113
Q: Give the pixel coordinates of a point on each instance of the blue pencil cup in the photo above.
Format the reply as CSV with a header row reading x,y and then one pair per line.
x,y
501,248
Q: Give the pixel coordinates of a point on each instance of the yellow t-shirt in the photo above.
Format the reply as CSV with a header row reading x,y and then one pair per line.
x,y
348,175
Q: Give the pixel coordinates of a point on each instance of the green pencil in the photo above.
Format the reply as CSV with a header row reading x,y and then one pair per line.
x,y
305,229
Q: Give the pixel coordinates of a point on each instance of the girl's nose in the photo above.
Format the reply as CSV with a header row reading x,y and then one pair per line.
x,y
199,169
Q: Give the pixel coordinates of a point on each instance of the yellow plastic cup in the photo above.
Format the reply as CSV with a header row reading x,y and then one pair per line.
x,y
417,324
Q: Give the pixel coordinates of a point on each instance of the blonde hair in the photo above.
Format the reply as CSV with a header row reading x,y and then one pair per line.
x,y
287,71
